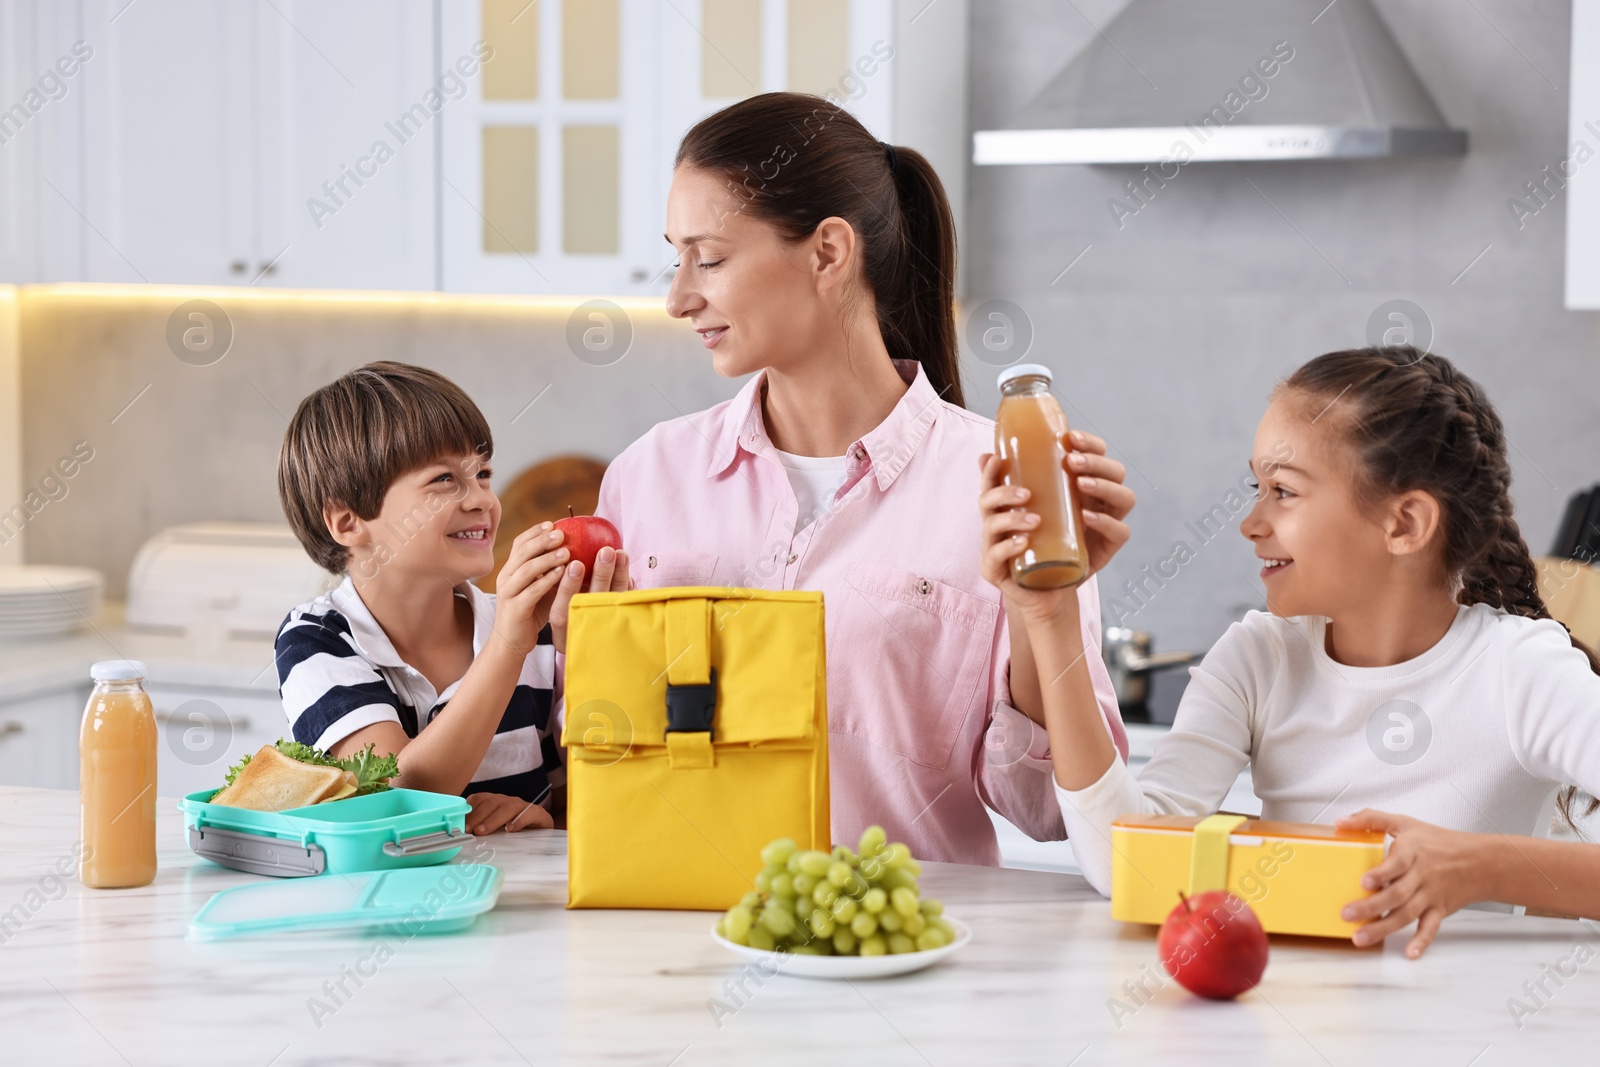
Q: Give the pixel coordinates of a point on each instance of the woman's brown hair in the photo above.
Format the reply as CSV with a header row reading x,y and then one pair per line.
x,y
793,159
1417,423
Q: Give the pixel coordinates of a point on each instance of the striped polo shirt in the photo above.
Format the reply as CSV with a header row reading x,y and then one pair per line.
x,y
338,672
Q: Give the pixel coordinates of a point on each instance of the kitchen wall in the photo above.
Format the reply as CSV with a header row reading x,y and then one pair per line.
x,y
1168,333
178,442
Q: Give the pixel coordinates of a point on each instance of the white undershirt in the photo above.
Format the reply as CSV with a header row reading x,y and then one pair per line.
x,y
1512,710
815,480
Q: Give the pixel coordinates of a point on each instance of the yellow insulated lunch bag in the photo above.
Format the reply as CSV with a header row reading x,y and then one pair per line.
x,y
696,732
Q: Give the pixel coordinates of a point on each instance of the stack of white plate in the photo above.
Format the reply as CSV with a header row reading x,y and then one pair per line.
x,y
41,601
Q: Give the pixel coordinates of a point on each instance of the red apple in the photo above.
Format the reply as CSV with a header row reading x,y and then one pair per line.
x,y
1213,944
586,535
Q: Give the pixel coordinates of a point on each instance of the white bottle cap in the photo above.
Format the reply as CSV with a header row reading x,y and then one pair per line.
x,y
1025,370
118,670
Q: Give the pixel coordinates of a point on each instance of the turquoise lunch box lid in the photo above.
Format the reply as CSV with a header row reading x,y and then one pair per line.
x,y
431,900
380,831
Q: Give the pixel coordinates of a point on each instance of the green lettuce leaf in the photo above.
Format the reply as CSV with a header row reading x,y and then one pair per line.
x,y
372,771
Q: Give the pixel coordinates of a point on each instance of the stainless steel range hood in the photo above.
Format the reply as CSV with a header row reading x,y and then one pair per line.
x,y
1230,80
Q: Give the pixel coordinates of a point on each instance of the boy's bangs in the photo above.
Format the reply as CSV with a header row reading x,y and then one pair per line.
x,y
416,429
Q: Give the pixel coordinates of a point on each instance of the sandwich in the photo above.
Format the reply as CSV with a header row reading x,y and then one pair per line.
x,y
291,775
272,781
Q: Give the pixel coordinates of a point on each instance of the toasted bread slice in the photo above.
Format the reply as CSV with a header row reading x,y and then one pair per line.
x,y
272,781
347,789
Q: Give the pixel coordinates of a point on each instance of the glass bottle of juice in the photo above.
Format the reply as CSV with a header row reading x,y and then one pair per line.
x,y
1030,439
117,783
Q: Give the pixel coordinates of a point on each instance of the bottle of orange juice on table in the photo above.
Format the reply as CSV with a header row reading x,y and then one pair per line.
x,y
1030,438
117,783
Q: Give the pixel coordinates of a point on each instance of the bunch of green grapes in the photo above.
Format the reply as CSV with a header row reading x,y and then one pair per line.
x,y
847,903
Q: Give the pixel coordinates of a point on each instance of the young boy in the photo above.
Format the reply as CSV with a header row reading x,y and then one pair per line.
x,y
384,476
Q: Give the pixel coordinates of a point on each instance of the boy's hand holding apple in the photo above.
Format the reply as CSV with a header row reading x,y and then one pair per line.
x,y
527,585
546,566
596,549
586,535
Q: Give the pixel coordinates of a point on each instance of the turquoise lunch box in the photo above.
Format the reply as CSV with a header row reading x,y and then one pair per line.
x,y
379,831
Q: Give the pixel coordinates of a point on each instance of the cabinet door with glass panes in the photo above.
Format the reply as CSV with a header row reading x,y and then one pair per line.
x,y
546,172
557,162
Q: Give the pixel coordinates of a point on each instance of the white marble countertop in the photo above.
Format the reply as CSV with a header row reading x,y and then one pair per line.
x,y
29,666
108,977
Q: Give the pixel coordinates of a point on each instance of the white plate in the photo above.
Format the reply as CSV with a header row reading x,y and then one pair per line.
x,y
54,611
45,578
40,633
69,606
59,606
78,594
838,967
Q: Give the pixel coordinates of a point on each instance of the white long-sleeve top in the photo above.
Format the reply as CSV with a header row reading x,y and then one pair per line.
x,y
1474,734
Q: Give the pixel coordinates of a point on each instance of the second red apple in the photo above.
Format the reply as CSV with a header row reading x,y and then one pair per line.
x,y
1213,944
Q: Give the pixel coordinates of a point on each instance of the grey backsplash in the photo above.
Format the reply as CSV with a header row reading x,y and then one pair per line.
x,y
1166,335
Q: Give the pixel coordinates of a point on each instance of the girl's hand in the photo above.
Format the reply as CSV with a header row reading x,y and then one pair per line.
x,y
1007,524
610,576
496,811
1429,873
526,585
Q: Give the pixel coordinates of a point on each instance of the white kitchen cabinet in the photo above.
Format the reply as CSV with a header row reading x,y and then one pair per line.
x,y
18,146
845,48
167,193
39,738
41,160
203,731
212,131
368,144
551,175
347,155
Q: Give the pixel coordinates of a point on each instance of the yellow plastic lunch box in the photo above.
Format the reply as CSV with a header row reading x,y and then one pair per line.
x,y
1295,876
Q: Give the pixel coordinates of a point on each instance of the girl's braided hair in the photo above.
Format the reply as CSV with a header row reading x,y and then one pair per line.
x,y
1417,423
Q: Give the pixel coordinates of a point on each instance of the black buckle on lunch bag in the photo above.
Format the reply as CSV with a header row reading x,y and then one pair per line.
x,y
690,707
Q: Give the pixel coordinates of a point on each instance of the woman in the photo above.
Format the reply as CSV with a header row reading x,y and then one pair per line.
x,y
822,261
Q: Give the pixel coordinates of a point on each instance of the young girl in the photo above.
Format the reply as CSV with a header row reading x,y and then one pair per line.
x,y
1407,661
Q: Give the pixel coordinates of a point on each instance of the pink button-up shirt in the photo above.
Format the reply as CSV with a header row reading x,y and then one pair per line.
x,y
922,731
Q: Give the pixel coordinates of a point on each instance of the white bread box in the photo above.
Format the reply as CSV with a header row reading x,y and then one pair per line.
x,y
217,580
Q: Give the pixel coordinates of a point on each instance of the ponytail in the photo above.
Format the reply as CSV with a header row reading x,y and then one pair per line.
x,y
918,321
1418,423
1507,578
794,159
